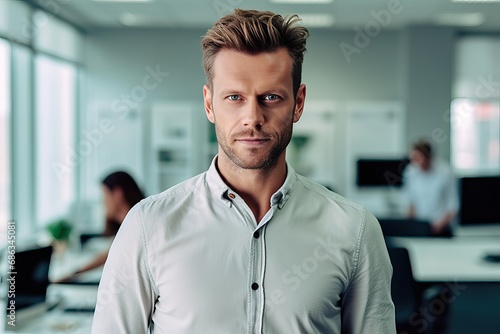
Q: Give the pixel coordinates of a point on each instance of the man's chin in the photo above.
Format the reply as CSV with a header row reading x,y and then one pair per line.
x,y
254,163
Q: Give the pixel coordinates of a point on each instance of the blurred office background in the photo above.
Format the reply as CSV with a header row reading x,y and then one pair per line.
x,y
88,87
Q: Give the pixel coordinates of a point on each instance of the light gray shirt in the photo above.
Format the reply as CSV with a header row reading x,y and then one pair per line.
x,y
193,259
433,193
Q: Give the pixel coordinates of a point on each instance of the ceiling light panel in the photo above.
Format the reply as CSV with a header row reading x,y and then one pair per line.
x,y
124,1
317,20
460,19
309,2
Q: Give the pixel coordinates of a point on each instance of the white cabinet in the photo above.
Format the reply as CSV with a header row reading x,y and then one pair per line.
x,y
313,148
177,143
374,130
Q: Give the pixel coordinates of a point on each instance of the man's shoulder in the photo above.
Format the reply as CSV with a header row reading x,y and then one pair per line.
x,y
440,170
317,191
174,193
442,166
344,217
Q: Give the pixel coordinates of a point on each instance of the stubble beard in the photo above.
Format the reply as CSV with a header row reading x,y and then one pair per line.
x,y
264,163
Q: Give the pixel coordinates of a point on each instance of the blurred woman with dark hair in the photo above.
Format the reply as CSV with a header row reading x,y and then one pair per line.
x,y
121,193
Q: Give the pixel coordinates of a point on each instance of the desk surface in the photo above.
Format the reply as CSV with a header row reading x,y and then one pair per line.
x,y
58,320
459,259
81,295
479,230
70,260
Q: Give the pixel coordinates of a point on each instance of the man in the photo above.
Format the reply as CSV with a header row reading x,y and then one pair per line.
x,y
249,246
431,189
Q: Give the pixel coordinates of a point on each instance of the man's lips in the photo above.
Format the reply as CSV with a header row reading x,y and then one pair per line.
x,y
252,140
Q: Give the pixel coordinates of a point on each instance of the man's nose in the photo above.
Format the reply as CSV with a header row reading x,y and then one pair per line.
x,y
253,114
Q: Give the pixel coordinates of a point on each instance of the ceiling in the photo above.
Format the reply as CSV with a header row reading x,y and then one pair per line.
x,y
338,14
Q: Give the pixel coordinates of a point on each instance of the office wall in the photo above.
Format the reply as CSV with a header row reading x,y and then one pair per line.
x,y
404,65
120,67
375,73
430,64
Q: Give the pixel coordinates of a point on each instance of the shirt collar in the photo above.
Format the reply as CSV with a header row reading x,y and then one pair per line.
x,y
281,196
222,190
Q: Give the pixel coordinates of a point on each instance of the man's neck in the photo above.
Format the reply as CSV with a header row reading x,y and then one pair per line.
x,y
255,186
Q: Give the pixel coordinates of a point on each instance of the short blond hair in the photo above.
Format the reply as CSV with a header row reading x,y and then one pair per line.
x,y
254,32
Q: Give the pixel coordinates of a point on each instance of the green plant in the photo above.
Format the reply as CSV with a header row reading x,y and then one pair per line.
x,y
60,229
299,141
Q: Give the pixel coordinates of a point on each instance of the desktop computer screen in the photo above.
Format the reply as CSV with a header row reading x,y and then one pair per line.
x,y
30,276
380,172
480,200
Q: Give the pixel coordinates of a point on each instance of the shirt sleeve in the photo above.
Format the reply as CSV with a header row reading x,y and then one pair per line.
x,y
126,297
367,305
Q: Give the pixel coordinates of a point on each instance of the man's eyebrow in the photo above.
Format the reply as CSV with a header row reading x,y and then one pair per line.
x,y
279,91
230,91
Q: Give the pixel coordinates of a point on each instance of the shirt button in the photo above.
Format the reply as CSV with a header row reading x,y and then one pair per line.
x,y
255,286
232,196
256,234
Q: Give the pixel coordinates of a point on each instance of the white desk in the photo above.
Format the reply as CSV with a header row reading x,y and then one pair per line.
x,y
458,259
485,230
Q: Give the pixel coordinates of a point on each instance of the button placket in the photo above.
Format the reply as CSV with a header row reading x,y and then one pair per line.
x,y
256,264
257,286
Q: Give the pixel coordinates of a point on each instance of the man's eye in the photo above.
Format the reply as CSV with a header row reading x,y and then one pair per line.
x,y
271,97
233,97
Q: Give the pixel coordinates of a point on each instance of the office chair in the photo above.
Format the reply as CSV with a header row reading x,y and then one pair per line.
x,y
405,228
407,295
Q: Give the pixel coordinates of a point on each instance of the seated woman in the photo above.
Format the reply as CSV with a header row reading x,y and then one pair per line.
x,y
120,193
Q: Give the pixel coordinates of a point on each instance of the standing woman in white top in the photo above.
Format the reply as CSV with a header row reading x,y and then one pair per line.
x,y
431,189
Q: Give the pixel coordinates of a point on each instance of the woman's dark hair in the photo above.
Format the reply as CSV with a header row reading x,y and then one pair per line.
x,y
131,192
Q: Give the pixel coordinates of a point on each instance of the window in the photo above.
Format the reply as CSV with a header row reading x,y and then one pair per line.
x,y
55,173
5,187
475,110
38,95
475,129
22,140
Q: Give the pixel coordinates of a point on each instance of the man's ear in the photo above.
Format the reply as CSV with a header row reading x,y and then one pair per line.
x,y
300,100
207,102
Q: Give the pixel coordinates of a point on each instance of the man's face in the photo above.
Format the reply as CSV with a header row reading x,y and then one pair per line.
x,y
253,107
418,159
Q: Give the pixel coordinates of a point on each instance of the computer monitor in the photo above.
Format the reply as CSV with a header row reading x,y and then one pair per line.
x,y
380,172
480,200
31,273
